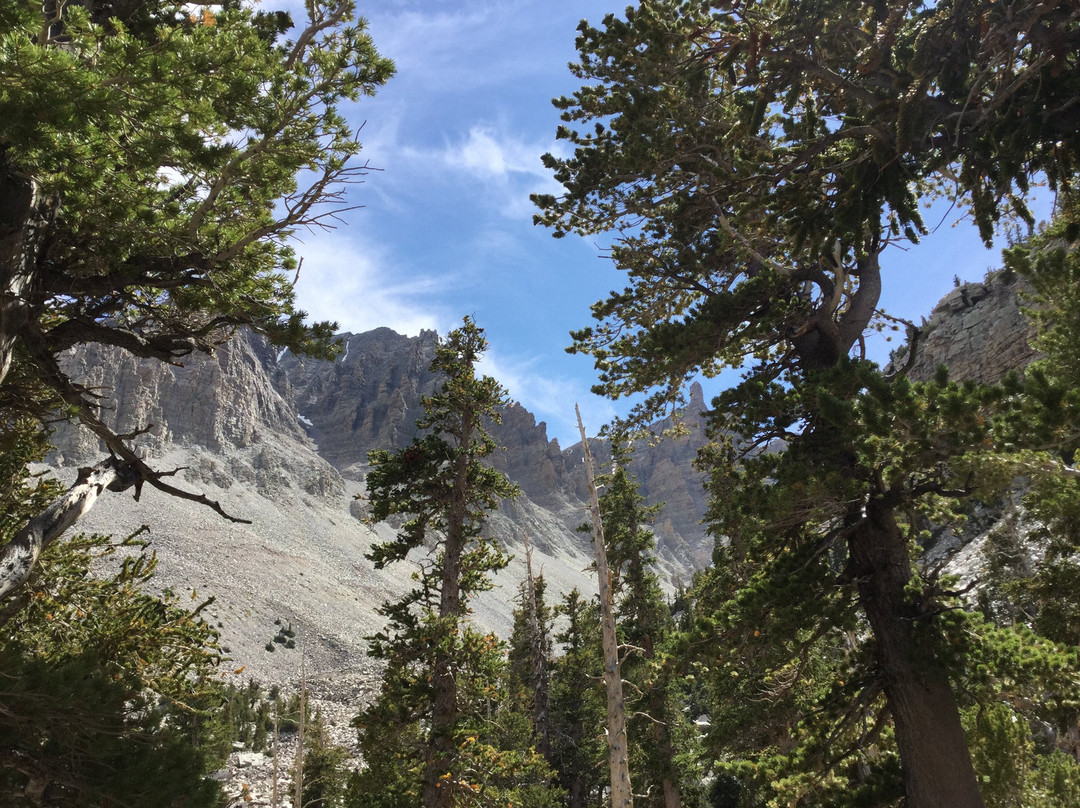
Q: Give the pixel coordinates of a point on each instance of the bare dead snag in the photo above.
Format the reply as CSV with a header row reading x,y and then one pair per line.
x,y
618,756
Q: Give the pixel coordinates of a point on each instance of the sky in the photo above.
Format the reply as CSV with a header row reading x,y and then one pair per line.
x,y
446,226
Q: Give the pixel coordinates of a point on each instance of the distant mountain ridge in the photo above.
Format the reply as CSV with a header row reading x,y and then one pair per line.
x,y
283,440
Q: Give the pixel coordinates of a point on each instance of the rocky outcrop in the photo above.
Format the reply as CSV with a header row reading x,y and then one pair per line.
x,y
367,398
978,331
222,409
283,441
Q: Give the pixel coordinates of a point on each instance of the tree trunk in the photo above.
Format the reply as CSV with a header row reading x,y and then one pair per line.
x,y
25,214
298,774
18,557
439,793
662,738
622,795
936,762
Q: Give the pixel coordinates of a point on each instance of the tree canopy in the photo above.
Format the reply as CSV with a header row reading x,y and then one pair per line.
x,y
757,158
756,161
154,163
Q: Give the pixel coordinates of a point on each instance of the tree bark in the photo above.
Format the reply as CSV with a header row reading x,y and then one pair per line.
x,y
25,214
622,795
18,557
933,749
444,709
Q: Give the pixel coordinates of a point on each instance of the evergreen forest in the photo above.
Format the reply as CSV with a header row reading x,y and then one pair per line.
x,y
752,161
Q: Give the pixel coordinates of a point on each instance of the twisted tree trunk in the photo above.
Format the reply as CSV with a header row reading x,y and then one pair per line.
x,y
933,749
18,557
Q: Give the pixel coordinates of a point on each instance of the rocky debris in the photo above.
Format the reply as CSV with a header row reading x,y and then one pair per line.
x,y
249,777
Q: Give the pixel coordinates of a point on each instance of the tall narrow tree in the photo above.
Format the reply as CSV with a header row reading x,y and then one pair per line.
x,y
622,795
645,629
442,675
578,750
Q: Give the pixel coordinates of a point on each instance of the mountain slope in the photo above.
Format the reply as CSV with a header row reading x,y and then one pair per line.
x,y
283,441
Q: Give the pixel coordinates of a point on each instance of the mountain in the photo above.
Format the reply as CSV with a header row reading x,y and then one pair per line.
x,y
283,440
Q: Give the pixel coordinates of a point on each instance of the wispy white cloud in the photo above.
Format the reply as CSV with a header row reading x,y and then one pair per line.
x,y
503,169
549,398
356,285
491,155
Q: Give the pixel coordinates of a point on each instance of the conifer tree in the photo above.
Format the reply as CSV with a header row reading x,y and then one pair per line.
x,y
530,654
155,160
110,695
659,734
622,795
324,773
429,738
578,750
757,160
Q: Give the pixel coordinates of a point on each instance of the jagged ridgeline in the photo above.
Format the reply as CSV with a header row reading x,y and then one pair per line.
x,y
283,441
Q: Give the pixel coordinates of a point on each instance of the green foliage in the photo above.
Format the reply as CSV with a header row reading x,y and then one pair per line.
x,y
756,160
577,709
110,694
439,480
156,161
324,772
494,762
442,731
172,144
529,657
747,155
663,744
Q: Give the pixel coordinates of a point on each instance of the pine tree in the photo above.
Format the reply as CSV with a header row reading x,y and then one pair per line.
x,y
530,654
622,795
154,162
110,695
578,749
757,160
324,774
430,738
660,737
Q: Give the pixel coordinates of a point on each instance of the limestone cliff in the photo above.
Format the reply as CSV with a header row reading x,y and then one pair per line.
x,y
978,330
283,441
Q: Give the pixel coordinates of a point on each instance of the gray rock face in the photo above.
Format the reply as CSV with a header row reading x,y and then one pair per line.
x,y
368,398
978,331
283,441
223,409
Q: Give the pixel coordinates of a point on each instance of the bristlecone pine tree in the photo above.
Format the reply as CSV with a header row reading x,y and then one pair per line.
x,y
430,738
757,160
149,165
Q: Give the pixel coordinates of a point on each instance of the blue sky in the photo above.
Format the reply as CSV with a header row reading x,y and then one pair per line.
x,y
446,228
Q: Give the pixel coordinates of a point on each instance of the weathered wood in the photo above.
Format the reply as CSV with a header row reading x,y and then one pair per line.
x,y
25,212
622,796
18,557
